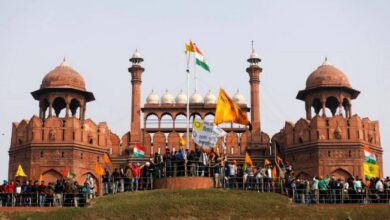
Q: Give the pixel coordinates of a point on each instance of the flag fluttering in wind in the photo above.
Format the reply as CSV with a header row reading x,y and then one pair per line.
x,y
68,174
266,162
199,56
139,151
228,111
107,160
370,168
99,170
40,178
369,156
20,172
200,60
274,173
183,142
248,160
190,47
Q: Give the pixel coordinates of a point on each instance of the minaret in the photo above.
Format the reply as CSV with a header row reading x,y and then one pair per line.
x,y
136,71
254,80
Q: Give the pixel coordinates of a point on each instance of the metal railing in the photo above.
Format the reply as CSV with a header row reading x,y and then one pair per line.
x,y
340,196
45,200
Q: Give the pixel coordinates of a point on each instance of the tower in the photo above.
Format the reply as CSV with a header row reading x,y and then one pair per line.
x,y
254,71
327,88
136,71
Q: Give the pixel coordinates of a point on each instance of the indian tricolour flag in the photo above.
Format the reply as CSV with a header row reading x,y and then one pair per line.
x,y
200,60
369,156
139,151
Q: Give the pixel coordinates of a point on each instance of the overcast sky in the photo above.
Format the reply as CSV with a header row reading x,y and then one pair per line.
x,y
98,37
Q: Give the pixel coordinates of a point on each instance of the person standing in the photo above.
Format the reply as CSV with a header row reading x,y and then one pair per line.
x,y
106,182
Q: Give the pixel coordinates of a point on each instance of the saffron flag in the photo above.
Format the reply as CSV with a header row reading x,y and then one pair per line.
x,y
248,160
183,142
99,170
274,173
40,178
280,161
200,60
228,111
107,160
139,151
369,156
20,172
266,162
370,170
190,47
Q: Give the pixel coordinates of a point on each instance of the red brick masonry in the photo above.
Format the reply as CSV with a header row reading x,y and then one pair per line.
x,y
184,183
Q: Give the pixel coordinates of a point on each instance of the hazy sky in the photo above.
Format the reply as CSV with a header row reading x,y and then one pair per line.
x,y
98,37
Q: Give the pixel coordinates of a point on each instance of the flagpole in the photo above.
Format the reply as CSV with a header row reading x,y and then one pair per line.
x,y
188,54
195,77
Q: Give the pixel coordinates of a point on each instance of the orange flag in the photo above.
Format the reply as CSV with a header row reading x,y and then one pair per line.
x,y
274,173
266,162
99,169
228,111
40,179
107,160
248,160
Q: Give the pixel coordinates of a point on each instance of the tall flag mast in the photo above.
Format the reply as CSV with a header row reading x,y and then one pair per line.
x,y
200,61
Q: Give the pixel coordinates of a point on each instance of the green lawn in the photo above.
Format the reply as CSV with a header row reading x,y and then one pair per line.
x,y
204,204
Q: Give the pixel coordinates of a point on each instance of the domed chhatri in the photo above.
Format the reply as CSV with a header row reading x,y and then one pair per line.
x,y
239,98
327,75
196,98
63,76
167,98
153,98
210,98
326,78
181,98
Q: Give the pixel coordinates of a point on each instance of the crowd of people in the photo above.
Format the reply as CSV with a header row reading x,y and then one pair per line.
x,y
204,163
63,192
329,190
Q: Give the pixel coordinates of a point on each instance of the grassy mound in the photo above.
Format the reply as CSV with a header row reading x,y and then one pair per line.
x,y
205,204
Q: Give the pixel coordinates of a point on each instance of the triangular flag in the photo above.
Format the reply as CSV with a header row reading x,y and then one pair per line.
x,y
20,172
183,142
248,160
266,162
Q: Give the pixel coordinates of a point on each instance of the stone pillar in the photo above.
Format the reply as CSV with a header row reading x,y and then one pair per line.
x,y
254,81
136,71
323,103
308,110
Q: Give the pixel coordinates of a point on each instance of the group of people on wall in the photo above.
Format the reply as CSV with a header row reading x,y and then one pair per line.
x,y
38,193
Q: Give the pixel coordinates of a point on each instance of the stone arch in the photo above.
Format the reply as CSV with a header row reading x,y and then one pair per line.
x,y
74,107
44,104
59,104
209,116
51,175
95,181
166,120
316,105
159,142
304,176
332,103
173,141
151,120
340,173
180,120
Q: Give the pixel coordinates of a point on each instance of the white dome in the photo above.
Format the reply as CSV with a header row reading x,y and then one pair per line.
x,y
152,98
181,98
254,55
210,98
238,98
196,98
167,98
136,54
